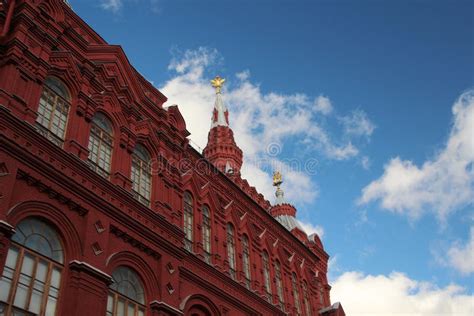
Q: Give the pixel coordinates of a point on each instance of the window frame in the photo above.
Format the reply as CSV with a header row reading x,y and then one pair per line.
x,y
48,93
105,139
206,233
306,300
246,262
279,285
296,294
115,296
267,274
143,167
188,221
34,285
231,256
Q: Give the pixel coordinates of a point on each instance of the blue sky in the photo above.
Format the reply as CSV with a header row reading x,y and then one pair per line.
x,y
348,86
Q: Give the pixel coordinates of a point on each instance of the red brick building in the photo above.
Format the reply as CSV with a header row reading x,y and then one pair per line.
x,y
105,208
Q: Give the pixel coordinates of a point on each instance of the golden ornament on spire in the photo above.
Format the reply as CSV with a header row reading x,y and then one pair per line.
x,y
277,180
217,83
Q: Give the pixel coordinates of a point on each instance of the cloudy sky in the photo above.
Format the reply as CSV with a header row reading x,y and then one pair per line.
x,y
366,106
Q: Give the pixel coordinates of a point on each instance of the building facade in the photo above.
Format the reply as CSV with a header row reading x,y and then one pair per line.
x,y
105,208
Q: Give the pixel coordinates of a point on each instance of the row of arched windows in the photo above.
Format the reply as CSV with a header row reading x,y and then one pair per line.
x,y
188,227
51,122
32,275
31,283
246,263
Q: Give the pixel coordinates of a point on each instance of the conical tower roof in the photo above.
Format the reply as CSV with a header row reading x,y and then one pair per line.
x,y
221,149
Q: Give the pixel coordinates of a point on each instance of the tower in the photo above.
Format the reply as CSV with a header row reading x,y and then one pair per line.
x,y
221,149
283,212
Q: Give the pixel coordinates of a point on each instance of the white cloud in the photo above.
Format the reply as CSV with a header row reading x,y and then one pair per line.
x,y
397,294
333,270
363,219
323,104
461,256
366,252
259,120
357,123
115,6
111,5
442,184
244,75
365,162
312,229
297,184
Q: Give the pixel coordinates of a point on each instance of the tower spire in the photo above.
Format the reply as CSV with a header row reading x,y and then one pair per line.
x,y
220,114
221,149
282,211
277,181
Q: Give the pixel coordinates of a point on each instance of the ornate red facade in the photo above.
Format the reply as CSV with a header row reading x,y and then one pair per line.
x,y
105,209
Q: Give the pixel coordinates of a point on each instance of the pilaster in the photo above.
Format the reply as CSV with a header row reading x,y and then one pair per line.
x,y
86,290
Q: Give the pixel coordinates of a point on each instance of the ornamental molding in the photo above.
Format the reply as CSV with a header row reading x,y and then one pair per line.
x,y
84,266
52,193
133,241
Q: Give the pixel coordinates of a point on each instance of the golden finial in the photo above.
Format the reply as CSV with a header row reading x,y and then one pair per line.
x,y
217,83
277,179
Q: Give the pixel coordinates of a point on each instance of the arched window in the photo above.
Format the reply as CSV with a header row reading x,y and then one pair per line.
x,y
32,275
321,294
188,221
279,285
141,174
126,295
307,305
266,275
53,110
206,233
246,260
296,294
100,145
231,249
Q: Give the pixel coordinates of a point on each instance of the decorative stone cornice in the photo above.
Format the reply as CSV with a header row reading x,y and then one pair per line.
x,y
53,194
86,267
283,209
133,241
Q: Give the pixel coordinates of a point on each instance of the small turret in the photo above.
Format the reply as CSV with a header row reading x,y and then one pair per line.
x,y
283,212
221,149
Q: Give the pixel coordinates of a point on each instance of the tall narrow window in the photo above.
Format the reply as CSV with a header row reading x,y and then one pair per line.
x,y
266,276
307,305
231,249
53,110
279,285
321,294
100,145
126,295
141,174
246,260
32,275
206,234
296,294
188,221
